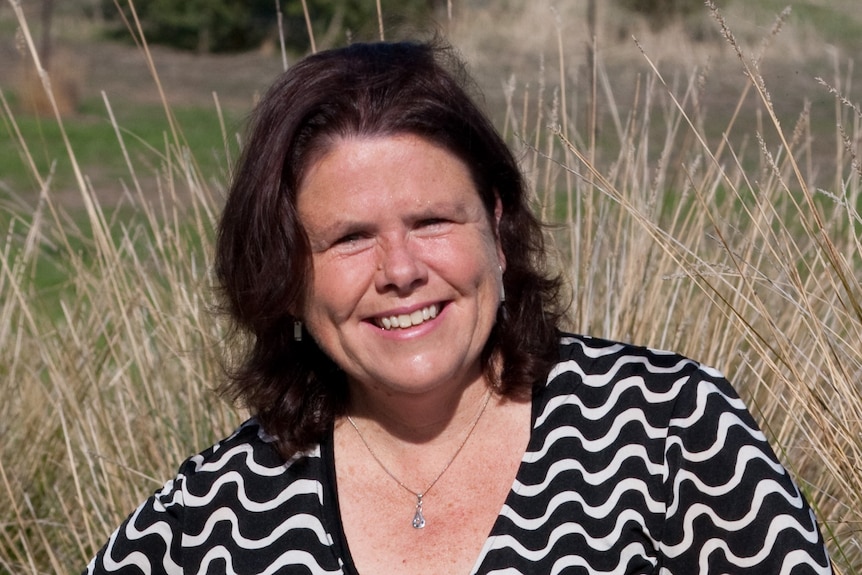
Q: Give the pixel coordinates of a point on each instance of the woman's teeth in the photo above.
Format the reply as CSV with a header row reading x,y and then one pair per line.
x,y
406,320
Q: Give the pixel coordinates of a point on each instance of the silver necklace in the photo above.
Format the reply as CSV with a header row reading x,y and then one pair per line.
x,y
418,516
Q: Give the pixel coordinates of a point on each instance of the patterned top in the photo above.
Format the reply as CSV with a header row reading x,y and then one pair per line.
x,y
639,461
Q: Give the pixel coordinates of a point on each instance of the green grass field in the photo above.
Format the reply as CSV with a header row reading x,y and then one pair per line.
x,y
145,130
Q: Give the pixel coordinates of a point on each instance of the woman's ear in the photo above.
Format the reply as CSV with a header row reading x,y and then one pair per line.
x,y
498,216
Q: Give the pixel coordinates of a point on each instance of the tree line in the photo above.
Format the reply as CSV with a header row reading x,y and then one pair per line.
x,y
237,25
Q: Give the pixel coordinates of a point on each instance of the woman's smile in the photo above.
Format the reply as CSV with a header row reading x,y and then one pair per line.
x,y
396,321
407,266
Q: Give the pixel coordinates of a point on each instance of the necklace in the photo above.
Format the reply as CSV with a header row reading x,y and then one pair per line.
x,y
418,517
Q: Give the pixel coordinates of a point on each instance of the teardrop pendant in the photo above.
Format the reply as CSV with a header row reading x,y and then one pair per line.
x,y
418,518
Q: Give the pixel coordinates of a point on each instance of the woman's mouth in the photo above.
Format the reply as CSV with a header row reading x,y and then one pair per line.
x,y
406,320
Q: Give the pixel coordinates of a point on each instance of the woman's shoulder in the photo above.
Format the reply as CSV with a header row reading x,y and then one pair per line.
x,y
639,395
249,452
242,482
600,371
603,360
249,437
246,461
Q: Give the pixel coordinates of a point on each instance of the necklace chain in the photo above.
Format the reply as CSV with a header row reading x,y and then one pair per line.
x,y
418,517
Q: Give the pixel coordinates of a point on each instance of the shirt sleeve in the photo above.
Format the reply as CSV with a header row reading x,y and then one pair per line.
x,y
731,506
149,540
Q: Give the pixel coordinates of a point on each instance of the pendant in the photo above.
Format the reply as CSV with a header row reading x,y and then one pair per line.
x,y
418,518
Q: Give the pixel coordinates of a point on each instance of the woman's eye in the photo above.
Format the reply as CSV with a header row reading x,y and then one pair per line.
x,y
348,239
429,222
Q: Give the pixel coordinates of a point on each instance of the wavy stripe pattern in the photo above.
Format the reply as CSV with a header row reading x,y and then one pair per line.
x,y
644,462
639,462
236,509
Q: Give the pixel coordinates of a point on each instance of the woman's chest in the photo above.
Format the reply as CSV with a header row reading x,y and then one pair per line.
x,y
436,520
584,496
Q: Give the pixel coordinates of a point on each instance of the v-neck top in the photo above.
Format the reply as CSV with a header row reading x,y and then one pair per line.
x,y
639,462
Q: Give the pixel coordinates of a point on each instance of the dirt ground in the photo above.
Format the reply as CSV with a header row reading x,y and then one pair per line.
x,y
122,72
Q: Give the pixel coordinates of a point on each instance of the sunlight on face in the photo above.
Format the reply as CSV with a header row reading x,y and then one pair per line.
x,y
407,266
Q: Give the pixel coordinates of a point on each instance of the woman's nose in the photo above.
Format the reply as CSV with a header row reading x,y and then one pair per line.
x,y
398,266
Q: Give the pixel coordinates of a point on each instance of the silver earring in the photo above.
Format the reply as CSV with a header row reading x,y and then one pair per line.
x,y
502,287
297,330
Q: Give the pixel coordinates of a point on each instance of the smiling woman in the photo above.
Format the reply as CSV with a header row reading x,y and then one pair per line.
x,y
415,408
398,234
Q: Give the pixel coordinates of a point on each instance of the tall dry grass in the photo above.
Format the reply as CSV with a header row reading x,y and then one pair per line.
x,y
724,248
106,377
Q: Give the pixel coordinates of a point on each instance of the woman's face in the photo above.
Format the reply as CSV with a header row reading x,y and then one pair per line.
x,y
407,265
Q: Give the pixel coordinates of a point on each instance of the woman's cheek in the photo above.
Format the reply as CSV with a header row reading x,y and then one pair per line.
x,y
341,281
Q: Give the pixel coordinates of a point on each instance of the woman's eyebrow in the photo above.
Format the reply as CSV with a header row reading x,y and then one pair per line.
x,y
344,223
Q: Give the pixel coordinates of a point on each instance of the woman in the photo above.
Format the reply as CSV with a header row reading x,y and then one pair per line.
x,y
415,409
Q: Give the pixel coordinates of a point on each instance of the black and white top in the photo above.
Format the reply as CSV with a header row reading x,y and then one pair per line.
x,y
639,461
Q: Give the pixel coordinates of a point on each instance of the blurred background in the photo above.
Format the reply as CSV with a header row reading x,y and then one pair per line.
x,y
224,52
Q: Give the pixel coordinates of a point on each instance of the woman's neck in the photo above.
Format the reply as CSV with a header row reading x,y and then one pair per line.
x,y
422,418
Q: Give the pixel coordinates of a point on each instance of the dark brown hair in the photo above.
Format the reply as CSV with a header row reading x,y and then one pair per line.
x,y
263,262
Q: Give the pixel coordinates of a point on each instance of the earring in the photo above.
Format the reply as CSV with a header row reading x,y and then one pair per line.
x,y
502,287
297,330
